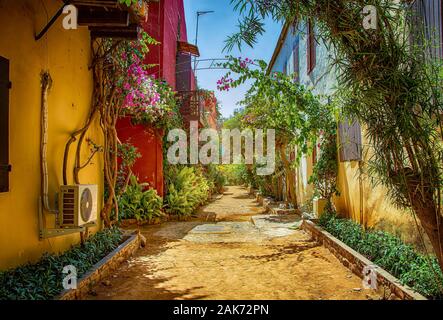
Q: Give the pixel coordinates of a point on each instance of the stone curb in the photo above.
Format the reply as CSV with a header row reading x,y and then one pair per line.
x,y
357,262
103,268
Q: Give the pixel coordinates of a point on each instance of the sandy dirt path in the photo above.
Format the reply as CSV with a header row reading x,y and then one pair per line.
x,y
237,261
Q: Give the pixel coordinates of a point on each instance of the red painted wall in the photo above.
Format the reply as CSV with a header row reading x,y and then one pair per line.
x,y
148,168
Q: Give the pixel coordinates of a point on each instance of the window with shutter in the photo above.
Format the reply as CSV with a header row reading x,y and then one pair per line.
x,y
312,47
350,141
4,125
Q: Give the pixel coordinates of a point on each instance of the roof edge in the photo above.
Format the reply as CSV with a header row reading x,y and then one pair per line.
x,y
278,46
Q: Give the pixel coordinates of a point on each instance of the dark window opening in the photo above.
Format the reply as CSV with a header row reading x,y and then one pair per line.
x,y
5,85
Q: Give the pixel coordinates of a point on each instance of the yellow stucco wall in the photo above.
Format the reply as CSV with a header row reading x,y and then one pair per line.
x,y
370,205
66,54
360,200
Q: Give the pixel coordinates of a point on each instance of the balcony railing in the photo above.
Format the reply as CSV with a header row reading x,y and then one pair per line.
x,y
192,106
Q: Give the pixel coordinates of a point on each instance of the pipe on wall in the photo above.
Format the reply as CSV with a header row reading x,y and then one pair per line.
x,y
46,82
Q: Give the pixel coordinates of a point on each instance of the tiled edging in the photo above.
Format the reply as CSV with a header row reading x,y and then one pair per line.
x,y
356,262
103,268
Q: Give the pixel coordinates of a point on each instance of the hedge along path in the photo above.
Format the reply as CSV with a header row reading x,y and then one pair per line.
x,y
243,264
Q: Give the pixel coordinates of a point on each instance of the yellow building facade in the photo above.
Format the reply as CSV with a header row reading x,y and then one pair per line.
x,y
367,203
66,54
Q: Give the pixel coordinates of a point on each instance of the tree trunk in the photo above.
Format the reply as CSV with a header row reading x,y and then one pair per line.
x,y
431,223
290,176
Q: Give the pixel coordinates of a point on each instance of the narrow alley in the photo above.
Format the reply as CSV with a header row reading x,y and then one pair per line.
x,y
241,256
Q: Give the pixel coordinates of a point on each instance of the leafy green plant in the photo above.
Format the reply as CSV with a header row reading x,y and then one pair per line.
x,y
324,176
137,203
216,178
234,174
187,190
412,268
44,279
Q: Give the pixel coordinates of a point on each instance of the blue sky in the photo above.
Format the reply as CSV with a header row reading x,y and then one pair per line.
x,y
213,31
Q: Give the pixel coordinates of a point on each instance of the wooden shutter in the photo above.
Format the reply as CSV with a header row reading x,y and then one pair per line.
x,y
183,72
312,47
350,141
428,26
4,125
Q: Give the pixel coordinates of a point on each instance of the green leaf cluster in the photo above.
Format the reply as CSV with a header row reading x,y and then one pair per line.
x,y
276,101
138,203
187,190
128,2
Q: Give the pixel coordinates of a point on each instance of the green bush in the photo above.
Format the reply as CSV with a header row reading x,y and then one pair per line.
x,y
44,279
391,253
216,178
187,190
135,203
233,174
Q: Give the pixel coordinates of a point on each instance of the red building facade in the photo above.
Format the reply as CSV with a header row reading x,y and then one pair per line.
x,y
172,62
166,23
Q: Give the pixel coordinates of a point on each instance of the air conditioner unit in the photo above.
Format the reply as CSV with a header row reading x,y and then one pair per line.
x,y
77,205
